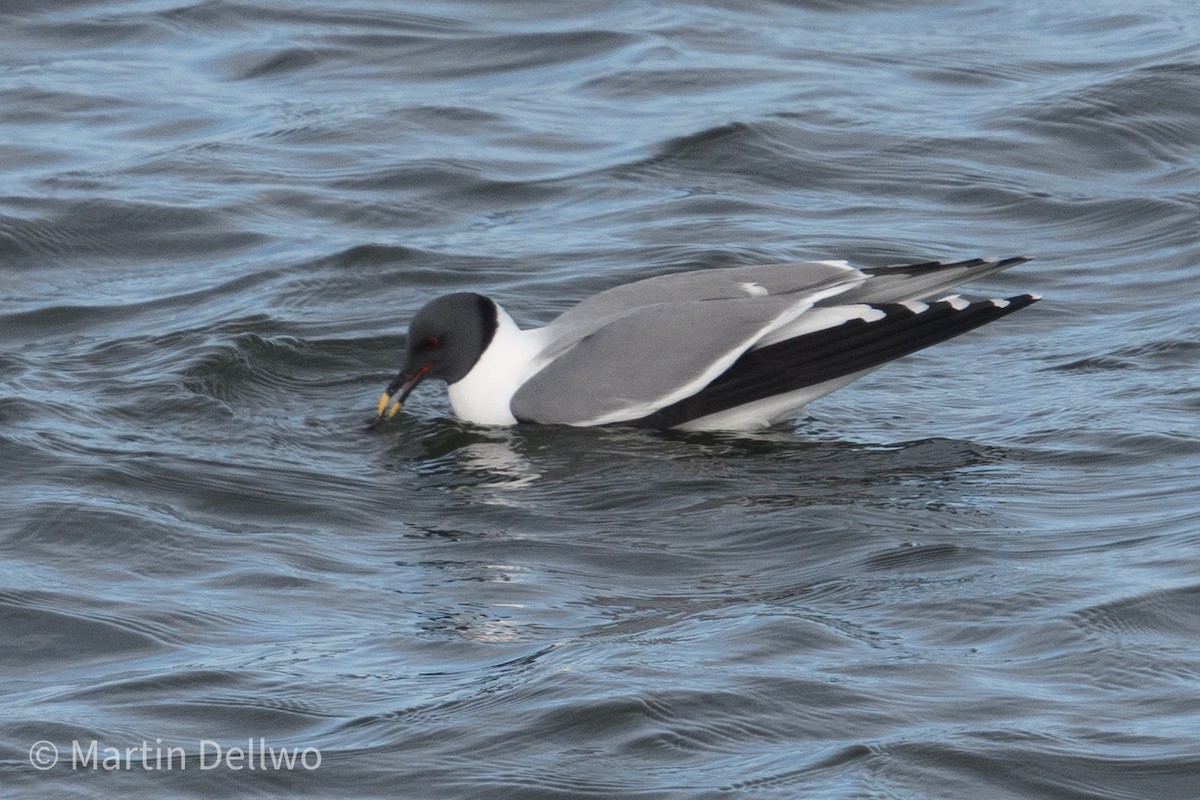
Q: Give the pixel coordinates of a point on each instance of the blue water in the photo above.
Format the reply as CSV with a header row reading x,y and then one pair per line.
x,y
975,573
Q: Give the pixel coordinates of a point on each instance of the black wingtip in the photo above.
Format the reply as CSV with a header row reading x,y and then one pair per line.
x,y
843,349
1017,302
923,267
1012,261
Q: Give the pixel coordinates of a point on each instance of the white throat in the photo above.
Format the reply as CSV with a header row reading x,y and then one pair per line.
x,y
482,396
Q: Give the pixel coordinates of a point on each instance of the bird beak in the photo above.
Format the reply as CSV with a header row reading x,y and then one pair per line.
x,y
400,388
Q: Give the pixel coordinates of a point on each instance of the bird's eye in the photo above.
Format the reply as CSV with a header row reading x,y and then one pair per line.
x,y
431,343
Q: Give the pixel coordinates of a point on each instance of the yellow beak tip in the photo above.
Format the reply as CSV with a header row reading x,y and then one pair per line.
x,y
384,411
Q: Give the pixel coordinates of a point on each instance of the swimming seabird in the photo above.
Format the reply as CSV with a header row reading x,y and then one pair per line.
x,y
723,349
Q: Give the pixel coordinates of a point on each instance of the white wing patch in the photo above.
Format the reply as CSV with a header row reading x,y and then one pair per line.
x,y
818,319
753,289
956,301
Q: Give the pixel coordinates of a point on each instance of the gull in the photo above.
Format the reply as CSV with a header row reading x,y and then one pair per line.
x,y
716,349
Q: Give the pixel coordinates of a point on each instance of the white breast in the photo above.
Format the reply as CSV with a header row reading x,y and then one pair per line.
x,y
482,396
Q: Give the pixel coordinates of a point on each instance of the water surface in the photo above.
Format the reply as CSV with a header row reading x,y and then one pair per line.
x,y
972,574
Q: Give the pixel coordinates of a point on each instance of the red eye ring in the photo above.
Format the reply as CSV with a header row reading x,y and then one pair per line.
x,y
431,343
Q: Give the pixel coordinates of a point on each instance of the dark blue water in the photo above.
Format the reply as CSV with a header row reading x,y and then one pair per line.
x,y
975,573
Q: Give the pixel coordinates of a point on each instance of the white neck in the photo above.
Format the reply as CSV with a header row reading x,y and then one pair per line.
x,y
482,396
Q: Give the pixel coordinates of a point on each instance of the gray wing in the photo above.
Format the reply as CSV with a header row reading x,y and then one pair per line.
x,y
649,357
756,280
920,281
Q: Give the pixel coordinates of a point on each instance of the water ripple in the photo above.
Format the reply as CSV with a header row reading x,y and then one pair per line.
x,y
972,572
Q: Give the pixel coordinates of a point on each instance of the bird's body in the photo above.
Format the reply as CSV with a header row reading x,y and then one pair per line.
x,y
712,349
